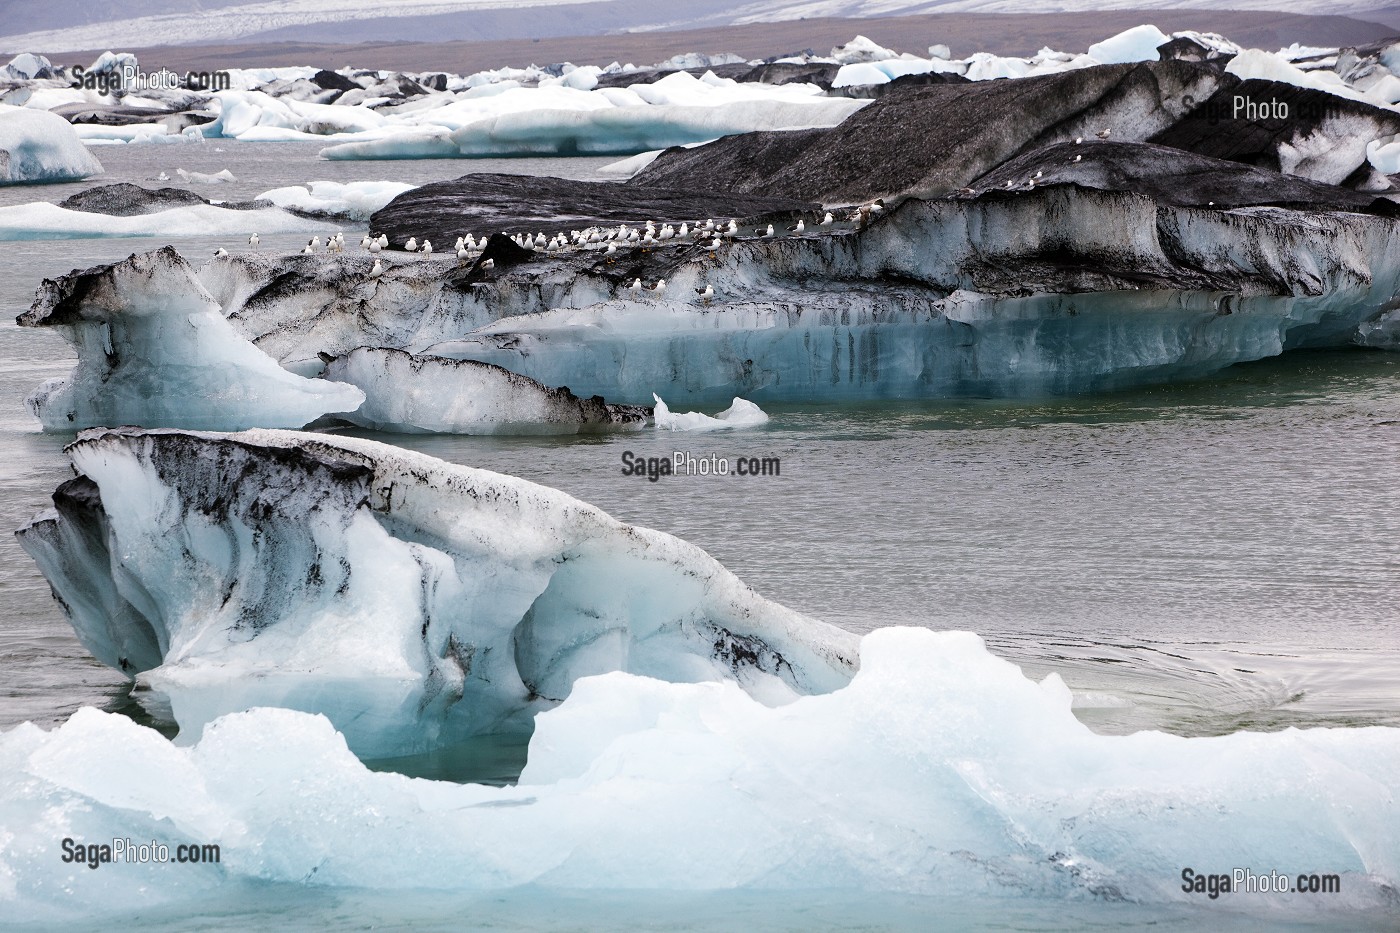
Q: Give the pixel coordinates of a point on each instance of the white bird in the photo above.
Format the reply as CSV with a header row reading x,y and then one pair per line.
x,y
427,248
666,232
769,231
683,232
383,241
314,242
612,248
253,241
828,219
660,287
1078,140
307,250
1077,158
412,244
462,254
220,252
488,264
377,270
1104,133
374,246
707,292
635,287
365,241
713,244
162,176
460,243
877,205
1038,174
733,227
798,227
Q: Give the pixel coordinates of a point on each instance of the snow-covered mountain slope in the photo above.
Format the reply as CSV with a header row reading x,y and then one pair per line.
x,y
70,26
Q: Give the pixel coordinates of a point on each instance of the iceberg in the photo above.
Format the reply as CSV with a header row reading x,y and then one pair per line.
x,y
41,220
427,394
36,146
1138,44
411,601
355,200
740,414
154,349
939,770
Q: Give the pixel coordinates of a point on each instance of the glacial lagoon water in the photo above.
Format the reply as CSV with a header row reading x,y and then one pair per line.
x,y
1201,558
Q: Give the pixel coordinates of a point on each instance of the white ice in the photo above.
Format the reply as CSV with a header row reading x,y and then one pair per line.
x,y
410,600
36,146
740,414
940,770
356,200
42,220
154,349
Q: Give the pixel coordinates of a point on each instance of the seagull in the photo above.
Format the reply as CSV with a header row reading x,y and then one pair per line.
x,y
707,292
797,227
828,220
877,205
462,254
769,231
374,246
683,232
162,176
307,250
427,248
713,244
660,287
1078,140
635,287
314,242
1077,158
383,241
733,227
365,241
253,241
1104,133
612,248
488,264
966,192
377,270
412,244
1038,174
220,253
1008,184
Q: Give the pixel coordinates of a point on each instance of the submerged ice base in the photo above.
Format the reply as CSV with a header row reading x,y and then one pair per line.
x,y
939,770
412,601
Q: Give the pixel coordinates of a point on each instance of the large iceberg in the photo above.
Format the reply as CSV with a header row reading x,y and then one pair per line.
x,y
939,770
37,146
154,349
427,394
411,601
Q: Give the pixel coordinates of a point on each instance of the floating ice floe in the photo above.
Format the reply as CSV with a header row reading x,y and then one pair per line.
x,y
154,349
427,394
940,770
411,601
223,176
36,146
740,414
44,221
356,200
